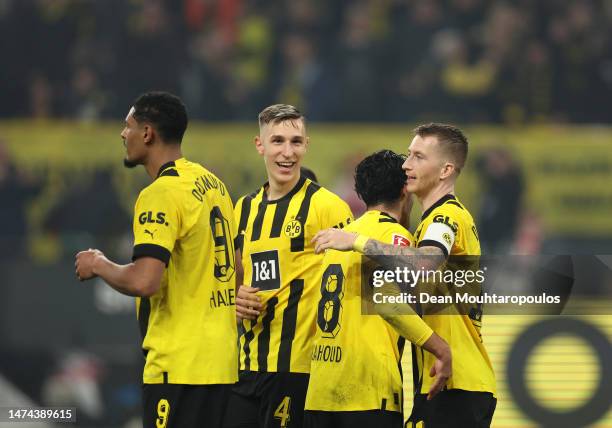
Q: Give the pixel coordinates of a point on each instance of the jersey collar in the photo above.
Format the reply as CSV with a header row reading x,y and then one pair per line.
x,y
442,200
292,192
165,166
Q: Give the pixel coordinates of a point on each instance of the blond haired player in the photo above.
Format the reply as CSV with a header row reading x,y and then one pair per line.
x,y
436,156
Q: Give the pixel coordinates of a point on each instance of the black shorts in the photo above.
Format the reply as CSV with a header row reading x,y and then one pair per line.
x,y
368,418
267,400
183,406
453,408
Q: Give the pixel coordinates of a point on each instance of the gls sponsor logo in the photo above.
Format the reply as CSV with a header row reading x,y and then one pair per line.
x,y
447,221
147,217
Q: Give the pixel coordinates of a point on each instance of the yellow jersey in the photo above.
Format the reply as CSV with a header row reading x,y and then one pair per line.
x,y
185,219
277,256
356,358
448,225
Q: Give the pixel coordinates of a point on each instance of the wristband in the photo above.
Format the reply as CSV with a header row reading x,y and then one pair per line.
x,y
360,242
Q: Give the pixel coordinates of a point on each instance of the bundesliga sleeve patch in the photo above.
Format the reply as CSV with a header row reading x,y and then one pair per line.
x,y
440,233
400,240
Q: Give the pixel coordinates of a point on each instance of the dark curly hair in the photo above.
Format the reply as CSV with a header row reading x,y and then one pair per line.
x,y
379,178
166,112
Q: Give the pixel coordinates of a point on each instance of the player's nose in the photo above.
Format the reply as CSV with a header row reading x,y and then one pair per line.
x,y
287,150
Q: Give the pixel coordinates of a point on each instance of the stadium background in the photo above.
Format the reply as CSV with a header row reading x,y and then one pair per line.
x,y
529,82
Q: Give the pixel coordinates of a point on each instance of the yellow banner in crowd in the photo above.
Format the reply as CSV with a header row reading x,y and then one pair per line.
x,y
567,169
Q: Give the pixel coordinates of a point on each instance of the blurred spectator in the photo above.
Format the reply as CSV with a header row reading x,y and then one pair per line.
x,y
17,188
500,207
345,184
367,60
91,209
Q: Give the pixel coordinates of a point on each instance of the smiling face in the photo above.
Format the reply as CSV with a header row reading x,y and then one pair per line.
x,y
282,145
424,165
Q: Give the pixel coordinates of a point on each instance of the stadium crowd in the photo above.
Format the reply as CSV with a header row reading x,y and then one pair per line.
x,y
368,60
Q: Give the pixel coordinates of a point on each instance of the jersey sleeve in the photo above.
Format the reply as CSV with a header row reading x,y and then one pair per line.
x,y
440,230
240,223
156,224
398,235
334,212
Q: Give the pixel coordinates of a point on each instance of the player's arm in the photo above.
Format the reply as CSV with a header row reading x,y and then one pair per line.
x,y
141,278
248,303
390,256
415,330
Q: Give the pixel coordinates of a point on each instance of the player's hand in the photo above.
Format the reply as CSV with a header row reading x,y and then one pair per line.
x,y
248,303
442,370
335,239
84,263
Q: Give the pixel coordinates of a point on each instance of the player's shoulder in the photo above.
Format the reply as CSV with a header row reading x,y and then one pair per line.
x,y
383,227
449,205
249,196
451,212
319,193
325,197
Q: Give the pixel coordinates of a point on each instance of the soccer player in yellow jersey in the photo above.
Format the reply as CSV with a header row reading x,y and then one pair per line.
x,y
355,375
278,302
183,272
435,158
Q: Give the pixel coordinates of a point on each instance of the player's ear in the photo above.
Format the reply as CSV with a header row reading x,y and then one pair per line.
x,y
307,143
258,144
448,169
148,134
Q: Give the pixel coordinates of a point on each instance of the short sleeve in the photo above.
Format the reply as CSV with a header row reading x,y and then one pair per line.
x,y
156,225
241,216
334,212
440,232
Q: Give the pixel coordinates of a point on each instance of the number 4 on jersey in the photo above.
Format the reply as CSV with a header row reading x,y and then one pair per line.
x,y
282,411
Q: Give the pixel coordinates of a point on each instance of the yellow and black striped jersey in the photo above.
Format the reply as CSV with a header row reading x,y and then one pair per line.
x,y
356,358
185,219
274,237
448,225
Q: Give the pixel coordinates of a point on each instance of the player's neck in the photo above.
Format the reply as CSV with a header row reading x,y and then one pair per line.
x,y
277,190
164,154
392,210
434,195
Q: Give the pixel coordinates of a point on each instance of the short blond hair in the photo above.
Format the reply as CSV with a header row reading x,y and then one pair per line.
x,y
279,113
451,139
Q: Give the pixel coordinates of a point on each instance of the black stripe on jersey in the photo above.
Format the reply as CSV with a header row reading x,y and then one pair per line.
x,y
386,218
258,222
417,234
401,343
170,172
439,202
279,217
432,243
297,243
417,378
296,288
144,310
244,217
151,250
248,337
263,341
165,166
455,203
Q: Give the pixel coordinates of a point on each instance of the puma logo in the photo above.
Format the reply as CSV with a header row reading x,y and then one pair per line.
x,y
150,233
